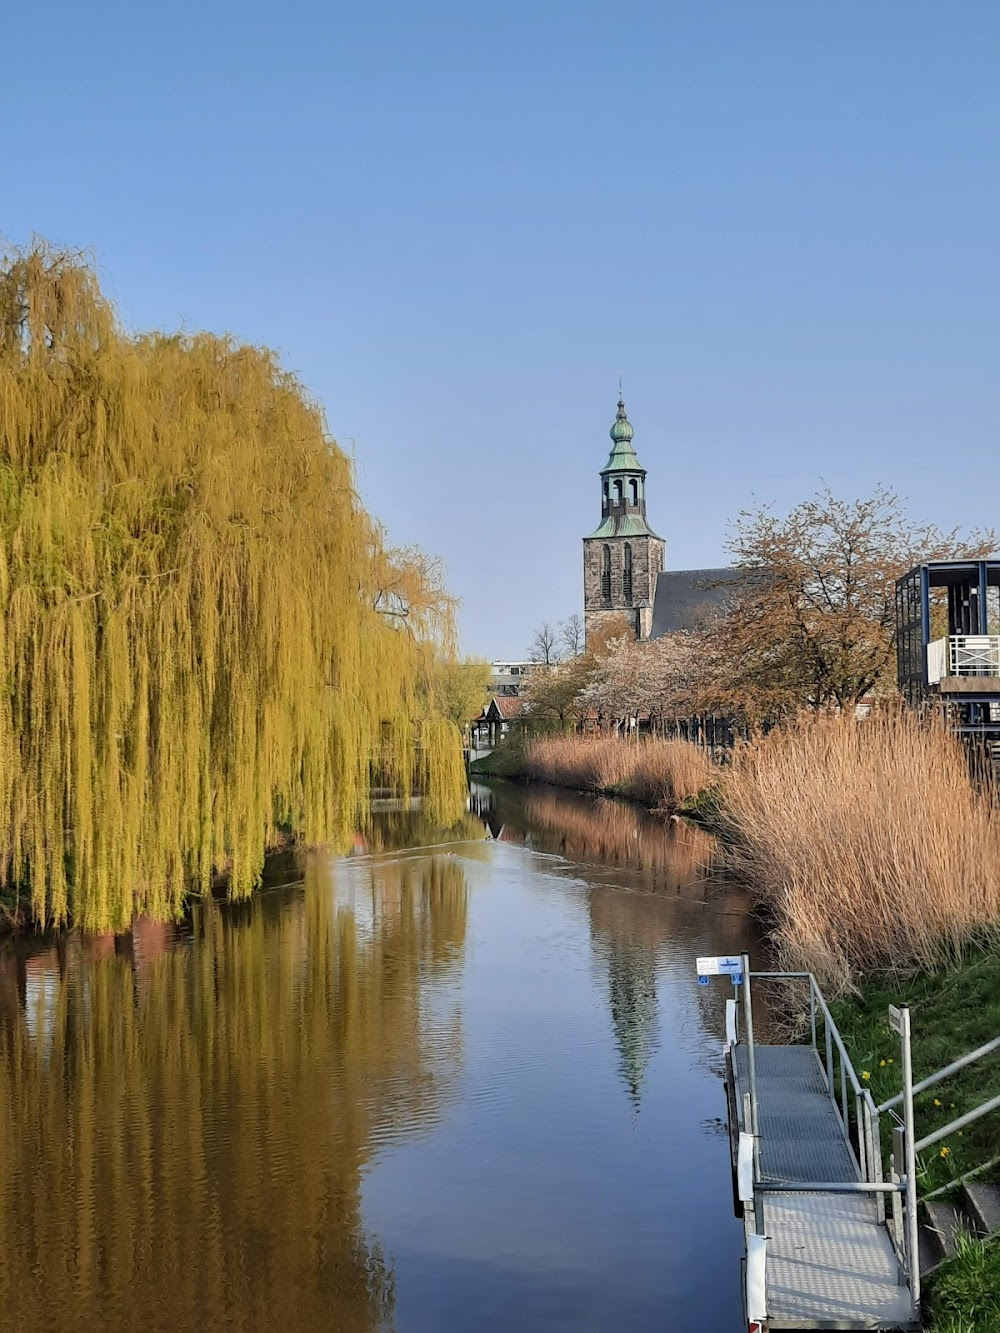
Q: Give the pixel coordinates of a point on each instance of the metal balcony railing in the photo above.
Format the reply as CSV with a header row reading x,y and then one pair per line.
x,y
974,655
963,655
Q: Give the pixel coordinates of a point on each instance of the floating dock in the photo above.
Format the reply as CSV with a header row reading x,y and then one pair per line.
x,y
831,1237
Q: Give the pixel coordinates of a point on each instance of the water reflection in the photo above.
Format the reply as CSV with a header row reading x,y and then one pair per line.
x,y
460,1078
604,835
653,896
187,1116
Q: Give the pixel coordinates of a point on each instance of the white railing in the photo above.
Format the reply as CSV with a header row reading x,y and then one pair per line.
x,y
974,655
963,655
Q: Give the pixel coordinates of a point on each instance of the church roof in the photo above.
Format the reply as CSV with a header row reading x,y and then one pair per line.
x,y
684,597
624,525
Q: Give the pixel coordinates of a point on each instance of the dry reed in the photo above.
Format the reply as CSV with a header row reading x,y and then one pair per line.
x,y
653,771
868,842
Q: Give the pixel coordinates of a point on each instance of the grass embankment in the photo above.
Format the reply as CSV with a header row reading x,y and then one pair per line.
x,y
953,1010
655,772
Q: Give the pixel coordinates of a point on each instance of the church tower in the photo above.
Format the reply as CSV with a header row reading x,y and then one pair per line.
x,y
622,559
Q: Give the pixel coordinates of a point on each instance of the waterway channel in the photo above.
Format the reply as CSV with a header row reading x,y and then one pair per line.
x,y
462,1079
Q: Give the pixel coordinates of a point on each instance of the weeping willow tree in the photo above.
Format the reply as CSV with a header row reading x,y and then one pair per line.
x,y
203,635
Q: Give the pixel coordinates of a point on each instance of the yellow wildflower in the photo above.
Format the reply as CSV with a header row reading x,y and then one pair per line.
x,y
936,1102
865,1074
945,1152
881,1064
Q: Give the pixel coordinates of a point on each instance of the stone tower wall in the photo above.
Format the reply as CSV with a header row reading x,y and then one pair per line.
x,y
647,563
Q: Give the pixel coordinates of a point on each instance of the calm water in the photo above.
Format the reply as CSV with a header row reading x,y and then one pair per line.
x,y
460,1080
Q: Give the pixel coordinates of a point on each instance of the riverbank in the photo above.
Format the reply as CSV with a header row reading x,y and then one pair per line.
x,y
953,1010
866,844
659,774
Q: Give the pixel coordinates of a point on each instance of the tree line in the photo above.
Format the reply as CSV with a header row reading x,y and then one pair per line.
x,y
807,623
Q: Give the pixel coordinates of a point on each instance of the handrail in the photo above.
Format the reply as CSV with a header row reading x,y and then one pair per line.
x,y
801,976
953,1068
835,1031
831,1186
827,1016
960,1123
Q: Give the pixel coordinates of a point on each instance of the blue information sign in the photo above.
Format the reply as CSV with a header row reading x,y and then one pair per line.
x,y
703,981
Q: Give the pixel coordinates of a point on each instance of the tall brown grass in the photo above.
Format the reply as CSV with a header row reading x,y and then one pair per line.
x,y
653,771
868,842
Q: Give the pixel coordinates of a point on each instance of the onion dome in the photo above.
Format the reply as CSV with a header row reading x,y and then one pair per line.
x,y
621,431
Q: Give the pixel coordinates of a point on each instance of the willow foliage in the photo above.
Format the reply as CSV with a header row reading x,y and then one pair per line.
x,y
203,636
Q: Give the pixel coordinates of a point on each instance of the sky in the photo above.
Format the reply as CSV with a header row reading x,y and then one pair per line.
x,y
458,222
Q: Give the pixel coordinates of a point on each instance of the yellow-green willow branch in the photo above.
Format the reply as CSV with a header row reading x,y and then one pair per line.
x,y
184,568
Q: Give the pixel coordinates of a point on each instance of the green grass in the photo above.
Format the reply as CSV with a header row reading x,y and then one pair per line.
x,y
964,1296
952,1011
506,761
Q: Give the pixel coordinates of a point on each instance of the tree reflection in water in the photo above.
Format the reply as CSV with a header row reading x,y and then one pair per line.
x,y
186,1117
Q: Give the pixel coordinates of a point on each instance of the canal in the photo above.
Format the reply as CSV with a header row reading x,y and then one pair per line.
x,y
461,1079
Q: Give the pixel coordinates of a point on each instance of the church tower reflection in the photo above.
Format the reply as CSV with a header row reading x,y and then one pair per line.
x,y
632,990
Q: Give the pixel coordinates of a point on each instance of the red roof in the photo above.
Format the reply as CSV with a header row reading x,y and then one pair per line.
x,y
508,706
504,706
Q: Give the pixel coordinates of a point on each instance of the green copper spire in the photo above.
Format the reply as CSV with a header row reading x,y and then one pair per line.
x,y
623,484
622,457
622,429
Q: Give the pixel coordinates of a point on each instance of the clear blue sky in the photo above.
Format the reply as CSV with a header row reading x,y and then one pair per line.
x,y
458,221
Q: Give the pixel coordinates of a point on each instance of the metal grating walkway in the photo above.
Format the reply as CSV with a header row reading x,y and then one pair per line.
x,y
800,1134
830,1262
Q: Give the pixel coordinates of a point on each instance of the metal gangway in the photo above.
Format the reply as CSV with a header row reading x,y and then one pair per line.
x,y
832,1238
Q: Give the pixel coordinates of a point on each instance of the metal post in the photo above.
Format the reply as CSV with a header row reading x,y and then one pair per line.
x,y
860,1114
875,1148
829,1060
843,1097
912,1236
812,1010
751,1056
899,1235
756,1200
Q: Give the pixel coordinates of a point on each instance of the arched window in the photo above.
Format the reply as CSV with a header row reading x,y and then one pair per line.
x,y
634,483
606,574
618,490
606,485
627,579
